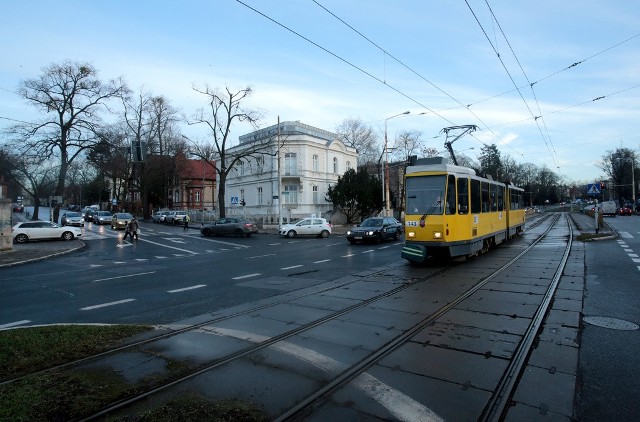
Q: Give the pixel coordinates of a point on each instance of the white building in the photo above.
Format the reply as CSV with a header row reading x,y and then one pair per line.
x,y
289,177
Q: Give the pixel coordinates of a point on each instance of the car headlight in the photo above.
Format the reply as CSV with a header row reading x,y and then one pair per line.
x,y
370,233
348,232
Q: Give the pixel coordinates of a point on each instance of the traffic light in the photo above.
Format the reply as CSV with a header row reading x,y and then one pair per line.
x,y
602,186
242,202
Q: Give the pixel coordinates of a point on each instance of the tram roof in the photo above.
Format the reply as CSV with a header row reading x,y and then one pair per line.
x,y
438,164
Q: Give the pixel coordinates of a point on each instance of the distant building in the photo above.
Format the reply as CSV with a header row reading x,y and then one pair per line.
x,y
300,159
195,185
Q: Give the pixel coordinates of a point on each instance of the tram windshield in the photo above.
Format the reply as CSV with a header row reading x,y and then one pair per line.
x,y
425,194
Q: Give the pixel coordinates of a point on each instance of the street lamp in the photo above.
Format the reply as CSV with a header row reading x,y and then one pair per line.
x,y
386,165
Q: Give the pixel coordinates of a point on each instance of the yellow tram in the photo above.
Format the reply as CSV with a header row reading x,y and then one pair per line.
x,y
451,212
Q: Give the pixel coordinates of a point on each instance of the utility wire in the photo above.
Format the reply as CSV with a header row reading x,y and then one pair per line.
x,y
417,74
510,77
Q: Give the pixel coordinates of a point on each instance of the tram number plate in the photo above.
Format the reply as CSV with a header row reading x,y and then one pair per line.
x,y
412,224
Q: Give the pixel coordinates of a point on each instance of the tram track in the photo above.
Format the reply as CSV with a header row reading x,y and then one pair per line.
x,y
303,406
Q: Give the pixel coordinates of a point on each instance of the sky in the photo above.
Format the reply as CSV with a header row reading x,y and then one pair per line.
x,y
553,83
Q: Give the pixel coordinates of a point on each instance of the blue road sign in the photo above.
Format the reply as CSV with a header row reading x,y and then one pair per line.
x,y
234,200
593,189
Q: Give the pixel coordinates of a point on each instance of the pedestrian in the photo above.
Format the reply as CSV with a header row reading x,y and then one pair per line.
x,y
133,228
127,231
185,220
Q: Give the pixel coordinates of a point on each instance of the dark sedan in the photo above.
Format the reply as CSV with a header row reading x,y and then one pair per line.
x,y
230,227
375,229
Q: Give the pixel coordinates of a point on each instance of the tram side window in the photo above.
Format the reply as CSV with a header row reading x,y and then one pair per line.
x,y
476,204
463,196
450,206
493,200
485,196
500,198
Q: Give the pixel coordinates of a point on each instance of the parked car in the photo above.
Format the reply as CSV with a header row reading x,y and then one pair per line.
x,y
175,217
375,229
102,217
230,227
120,220
625,210
18,208
159,216
307,227
38,230
72,219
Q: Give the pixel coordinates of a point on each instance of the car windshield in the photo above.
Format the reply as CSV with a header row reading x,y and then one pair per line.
x,y
124,216
73,214
372,222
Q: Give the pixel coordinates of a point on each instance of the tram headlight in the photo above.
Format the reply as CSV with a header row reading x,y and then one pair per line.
x,y
437,235
410,234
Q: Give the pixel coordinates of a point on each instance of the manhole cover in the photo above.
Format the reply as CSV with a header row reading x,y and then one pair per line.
x,y
613,323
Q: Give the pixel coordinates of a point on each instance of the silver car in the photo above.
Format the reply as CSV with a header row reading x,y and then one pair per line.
x,y
102,217
72,219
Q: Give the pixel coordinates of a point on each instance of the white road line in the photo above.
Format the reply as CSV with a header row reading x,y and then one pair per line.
x,y
123,276
348,255
14,324
273,244
161,257
384,247
103,305
291,267
321,261
167,246
633,255
142,259
237,245
635,260
626,235
401,406
95,265
260,256
187,288
119,262
368,251
246,276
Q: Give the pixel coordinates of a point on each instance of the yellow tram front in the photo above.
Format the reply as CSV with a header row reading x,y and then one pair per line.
x,y
450,211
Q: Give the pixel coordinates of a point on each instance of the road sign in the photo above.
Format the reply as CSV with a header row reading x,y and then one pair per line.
x,y
234,200
593,189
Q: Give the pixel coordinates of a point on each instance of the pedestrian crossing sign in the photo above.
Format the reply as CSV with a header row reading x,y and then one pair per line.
x,y
234,200
593,189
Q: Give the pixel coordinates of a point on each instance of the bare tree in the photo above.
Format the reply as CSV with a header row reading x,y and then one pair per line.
x,y
71,97
354,133
224,109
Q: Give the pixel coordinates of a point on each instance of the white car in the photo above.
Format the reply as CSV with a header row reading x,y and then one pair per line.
x,y
159,216
38,230
307,227
175,217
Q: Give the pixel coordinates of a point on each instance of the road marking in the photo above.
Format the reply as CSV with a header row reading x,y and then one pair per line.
x,y
273,244
260,256
187,288
124,245
626,235
103,305
384,247
246,276
168,246
348,255
119,262
235,245
142,259
161,257
291,267
368,251
14,324
400,405
321,261
123,276
636,260
95,265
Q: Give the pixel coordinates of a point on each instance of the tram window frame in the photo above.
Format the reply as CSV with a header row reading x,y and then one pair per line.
x,y
463,195
493,197
450,204
476,198
485,198
501,198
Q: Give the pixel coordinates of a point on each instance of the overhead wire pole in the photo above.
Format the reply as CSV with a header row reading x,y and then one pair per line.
x,y
447,144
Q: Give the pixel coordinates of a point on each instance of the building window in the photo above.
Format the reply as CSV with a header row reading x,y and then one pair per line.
x,y
241,168
315,194
348,165
290,194
259,164
316,165
290,164
335,165
176,196
198,196
259,196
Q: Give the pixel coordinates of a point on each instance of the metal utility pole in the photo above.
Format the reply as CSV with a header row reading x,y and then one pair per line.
x,y
447,144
